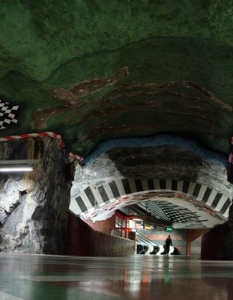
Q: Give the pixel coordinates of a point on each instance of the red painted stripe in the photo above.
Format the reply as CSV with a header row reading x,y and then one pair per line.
x,y
25,136
9,138
41,134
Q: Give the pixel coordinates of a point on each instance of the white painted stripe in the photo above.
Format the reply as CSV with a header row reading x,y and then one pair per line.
x,y
221,202
145,185
211,197
202,192
156,184
224,201
180,185
86,200
226,214
120,187
74,208
108,191
168,184
132,185
96,193
191,188
5,296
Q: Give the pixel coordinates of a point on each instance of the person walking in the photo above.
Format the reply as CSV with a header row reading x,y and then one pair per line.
x,y
168,243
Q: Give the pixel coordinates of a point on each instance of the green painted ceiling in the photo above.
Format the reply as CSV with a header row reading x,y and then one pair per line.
x,y
93,70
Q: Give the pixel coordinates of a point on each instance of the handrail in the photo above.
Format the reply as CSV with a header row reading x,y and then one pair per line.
x,y
144,239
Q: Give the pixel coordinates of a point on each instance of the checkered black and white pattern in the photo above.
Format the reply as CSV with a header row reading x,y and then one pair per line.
x,y
8,114
108,192
169,211
154,209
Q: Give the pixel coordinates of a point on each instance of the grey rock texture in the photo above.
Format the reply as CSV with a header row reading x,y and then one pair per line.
x,y
162,162
167,162
34,205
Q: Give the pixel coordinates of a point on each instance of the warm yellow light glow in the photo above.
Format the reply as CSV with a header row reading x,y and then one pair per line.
x,y
148,227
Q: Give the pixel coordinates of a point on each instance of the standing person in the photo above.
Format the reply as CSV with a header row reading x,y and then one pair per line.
x,y
168,243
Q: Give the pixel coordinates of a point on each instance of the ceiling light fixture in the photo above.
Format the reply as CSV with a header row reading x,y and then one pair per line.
x,y
16,169
25,165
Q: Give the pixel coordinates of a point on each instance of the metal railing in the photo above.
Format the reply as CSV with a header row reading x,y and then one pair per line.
x,y
141,238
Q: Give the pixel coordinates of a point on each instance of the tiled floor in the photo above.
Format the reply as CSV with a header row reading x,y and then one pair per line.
x,y
43,277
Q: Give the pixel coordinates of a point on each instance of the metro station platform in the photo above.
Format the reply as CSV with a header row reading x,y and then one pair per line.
x,y
45,277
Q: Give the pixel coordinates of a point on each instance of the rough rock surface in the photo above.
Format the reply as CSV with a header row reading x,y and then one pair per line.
x,y
163,162
34,205
63,59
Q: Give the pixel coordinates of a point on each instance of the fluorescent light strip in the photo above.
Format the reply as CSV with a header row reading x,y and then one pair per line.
x,y
17,165
16,169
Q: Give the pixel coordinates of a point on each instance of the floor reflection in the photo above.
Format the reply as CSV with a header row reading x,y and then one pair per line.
x,y
136,277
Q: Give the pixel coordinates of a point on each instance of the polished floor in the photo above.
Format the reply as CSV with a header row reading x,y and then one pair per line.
x,y
44,277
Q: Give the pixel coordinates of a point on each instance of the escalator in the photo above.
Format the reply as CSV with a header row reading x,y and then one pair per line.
x,y
145,245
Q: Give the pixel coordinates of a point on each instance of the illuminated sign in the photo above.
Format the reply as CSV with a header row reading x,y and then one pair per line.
x,y
169,229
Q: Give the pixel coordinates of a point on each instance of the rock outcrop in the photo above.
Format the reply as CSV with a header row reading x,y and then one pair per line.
x,y
34,206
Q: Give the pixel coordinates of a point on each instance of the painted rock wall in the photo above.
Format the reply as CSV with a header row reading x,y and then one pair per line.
x,y
34,205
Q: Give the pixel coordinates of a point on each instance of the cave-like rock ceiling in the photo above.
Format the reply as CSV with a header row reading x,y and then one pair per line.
x,y
94,70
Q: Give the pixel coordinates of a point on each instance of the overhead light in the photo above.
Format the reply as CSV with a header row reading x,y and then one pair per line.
x,y
16,169
17,165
